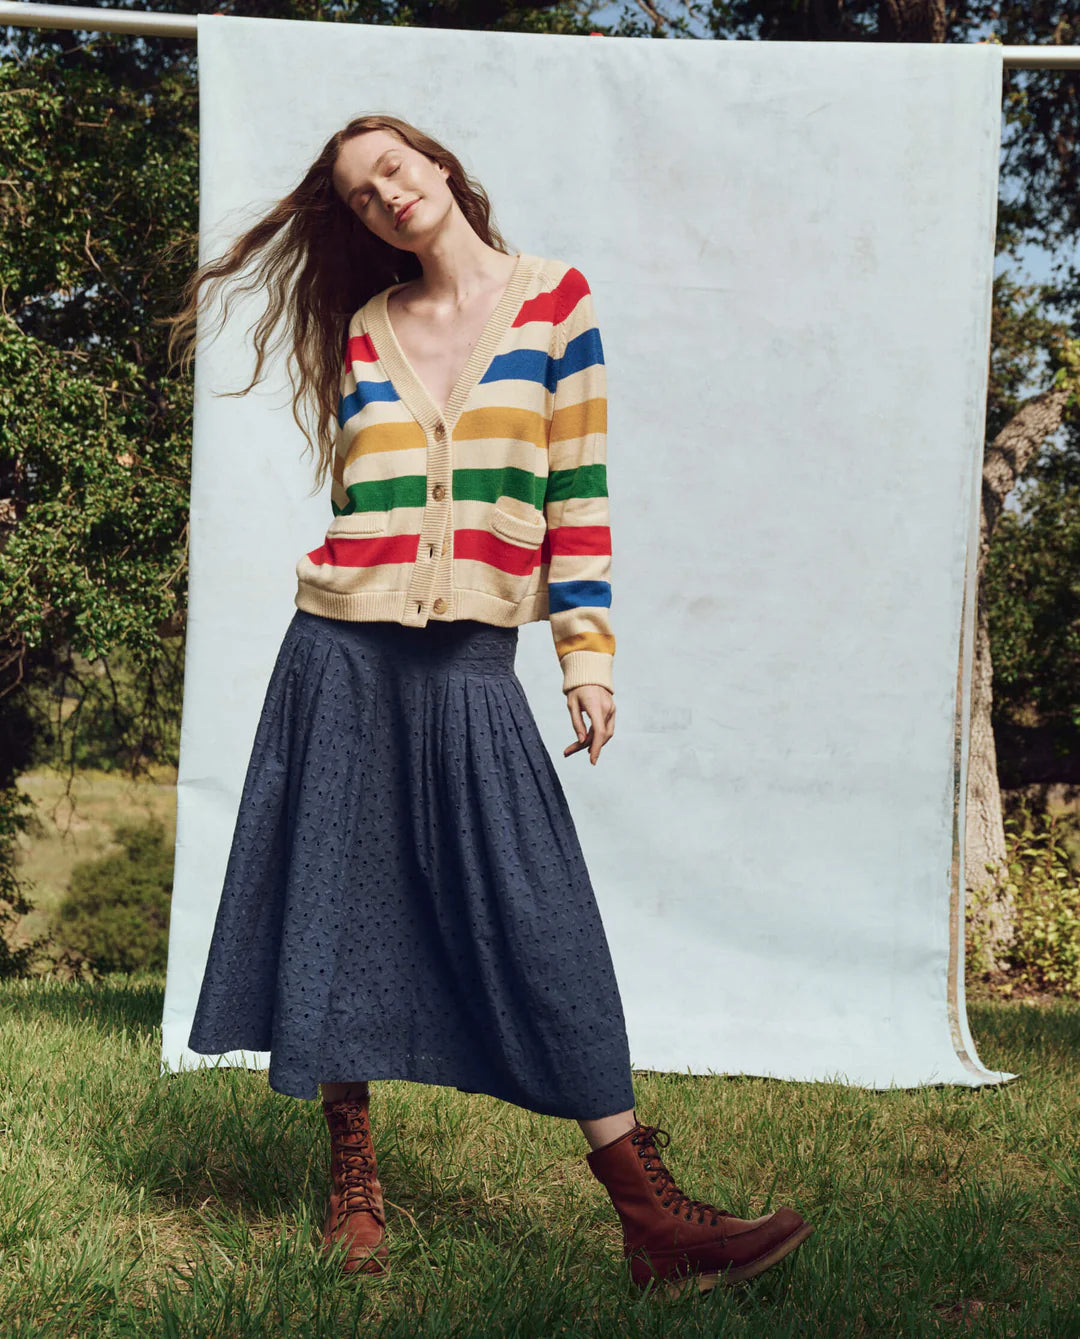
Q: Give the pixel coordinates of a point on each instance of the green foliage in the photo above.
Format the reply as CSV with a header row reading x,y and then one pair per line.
x,y
1046,953
17,741
1032,590
98,177
117,907
103,715
100,540
1045,887
16,811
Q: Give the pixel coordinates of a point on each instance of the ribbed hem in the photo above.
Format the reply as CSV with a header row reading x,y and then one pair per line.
x,y
391,605
581,667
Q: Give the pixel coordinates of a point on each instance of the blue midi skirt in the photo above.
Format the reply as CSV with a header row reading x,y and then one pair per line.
x,y
406,896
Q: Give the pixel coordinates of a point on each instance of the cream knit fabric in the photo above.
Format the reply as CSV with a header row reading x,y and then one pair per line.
x,y
494,509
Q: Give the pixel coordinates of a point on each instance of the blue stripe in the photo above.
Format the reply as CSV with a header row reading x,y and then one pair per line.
x,y
520,365
563,595
584,350
367,392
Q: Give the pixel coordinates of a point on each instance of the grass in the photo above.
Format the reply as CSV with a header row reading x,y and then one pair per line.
x,y
189,1205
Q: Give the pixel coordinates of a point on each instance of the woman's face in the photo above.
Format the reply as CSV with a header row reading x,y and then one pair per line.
x,y
378,175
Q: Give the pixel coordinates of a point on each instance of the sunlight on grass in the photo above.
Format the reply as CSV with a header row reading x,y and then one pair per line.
x,y
76,823
190,1204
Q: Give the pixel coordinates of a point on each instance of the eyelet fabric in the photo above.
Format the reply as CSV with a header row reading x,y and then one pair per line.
x,y
406,896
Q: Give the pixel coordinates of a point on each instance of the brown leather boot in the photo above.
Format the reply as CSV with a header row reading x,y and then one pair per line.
x,y
355,1211
676,1240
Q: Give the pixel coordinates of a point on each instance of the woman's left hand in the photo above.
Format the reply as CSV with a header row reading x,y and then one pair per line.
x,y
599,704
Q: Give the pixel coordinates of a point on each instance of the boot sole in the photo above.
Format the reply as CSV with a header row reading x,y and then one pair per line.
x,y
739,1273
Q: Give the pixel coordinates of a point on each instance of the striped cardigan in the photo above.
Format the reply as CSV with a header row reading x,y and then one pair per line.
x,y
495,508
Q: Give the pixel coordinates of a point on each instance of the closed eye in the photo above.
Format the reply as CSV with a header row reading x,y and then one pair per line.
x,y
363,200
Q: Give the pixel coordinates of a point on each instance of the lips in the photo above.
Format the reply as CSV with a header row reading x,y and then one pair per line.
x,y
405,212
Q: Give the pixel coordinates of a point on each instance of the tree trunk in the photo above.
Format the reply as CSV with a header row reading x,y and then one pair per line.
x,y
1007,456
984,839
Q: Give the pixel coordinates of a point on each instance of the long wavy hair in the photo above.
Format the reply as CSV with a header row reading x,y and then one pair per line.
x,y
319,264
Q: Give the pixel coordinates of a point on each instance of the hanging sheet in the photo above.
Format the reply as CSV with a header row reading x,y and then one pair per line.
x,y
790,247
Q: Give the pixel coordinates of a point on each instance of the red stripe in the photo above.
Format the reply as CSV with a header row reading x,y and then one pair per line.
x,y
557,303
485,547
566,540
480,545
356,551
360,350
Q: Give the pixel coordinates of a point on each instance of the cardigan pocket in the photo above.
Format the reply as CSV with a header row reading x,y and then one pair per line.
x,y
528,533
358,523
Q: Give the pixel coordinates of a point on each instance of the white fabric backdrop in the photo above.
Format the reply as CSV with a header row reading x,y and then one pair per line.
x,y
790,247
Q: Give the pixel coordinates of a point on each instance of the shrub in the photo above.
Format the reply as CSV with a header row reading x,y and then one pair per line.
x,y
1045,953
116,910
16,815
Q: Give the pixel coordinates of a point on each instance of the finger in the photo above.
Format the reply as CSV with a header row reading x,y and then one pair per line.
x,y
599,739
604,734
579,726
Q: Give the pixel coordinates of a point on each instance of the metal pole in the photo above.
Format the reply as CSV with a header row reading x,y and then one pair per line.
x,y
98,20
147,24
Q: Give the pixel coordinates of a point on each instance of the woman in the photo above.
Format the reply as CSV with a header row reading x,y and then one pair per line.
x,y
405,895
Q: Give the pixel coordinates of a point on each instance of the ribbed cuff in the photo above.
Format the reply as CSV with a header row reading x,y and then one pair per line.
x,y
581,667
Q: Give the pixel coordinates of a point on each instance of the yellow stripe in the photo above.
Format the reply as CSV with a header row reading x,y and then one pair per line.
x,y
386,437
585,641
502,422
578,420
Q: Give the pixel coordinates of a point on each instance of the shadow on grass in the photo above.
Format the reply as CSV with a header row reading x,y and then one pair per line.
x,y
1013,1035
114,1004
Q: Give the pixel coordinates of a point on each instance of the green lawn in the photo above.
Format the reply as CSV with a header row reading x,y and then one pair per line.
x,y
189,1205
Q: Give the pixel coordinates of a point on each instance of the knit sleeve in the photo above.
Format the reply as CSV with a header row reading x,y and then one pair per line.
x,y
576,498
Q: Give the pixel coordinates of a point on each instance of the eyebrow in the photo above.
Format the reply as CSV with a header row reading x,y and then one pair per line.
x,y
375,164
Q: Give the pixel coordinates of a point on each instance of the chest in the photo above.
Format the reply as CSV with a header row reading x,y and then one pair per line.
x,y
439,348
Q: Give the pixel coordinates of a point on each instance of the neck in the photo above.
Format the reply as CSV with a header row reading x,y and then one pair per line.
x,y
459,266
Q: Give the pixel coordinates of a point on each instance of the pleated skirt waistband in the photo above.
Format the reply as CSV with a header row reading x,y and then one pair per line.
x,y
439,647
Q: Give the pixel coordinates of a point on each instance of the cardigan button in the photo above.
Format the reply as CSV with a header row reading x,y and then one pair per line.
x,y
438,492
439,606
440,431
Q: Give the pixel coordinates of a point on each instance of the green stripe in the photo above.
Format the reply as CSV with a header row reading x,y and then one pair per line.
x,y
506,481
478,485
383,494
585,481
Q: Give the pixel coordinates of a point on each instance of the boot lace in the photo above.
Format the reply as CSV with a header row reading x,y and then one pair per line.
x,y
346,1120
645,1138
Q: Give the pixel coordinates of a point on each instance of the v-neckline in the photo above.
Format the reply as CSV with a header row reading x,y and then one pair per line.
x,y
414,394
